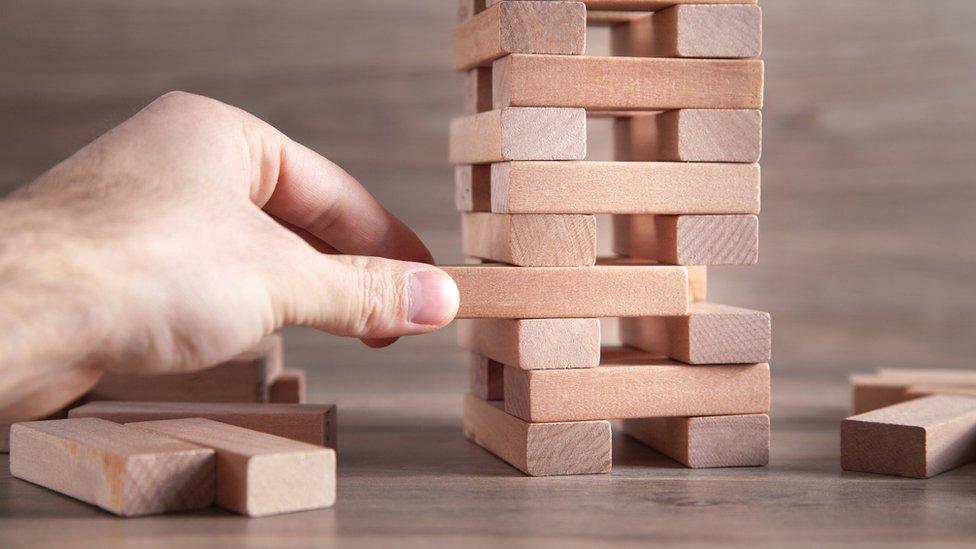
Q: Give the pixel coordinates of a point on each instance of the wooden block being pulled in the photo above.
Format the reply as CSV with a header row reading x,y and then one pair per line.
x,y
709,334
690,135
731,31
662,188
892,386
539,449
919,438
626,83
485,378
688,239
698,283
258,474
534,344
503,291
289,388
518,134
472,188
520,27
530,240
640,5
124,471
709,441
476,96
633,384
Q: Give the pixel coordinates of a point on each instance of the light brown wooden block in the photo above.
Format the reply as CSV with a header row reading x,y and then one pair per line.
x,y
472,188
486,378
690,135
501,291
918,391
476,95
641,5
289,388
709,334
891,386
520,27
663,188
530,240
612,18
534,344
633,384
518,134
258,474
124,471
698,283
919,438
692,31
539,449
688,239
710,441
311,423
626,83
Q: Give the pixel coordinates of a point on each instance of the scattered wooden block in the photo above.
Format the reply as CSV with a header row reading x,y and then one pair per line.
x,y
534,344
641,5
258,474
539,449
486,378
688,239
311,423
698,283
501,291
918,391
731,31
919,438
530,240
690,135
892,386
662,188
289,388
124,471
518,134
476,96
634,384
709,334
626,83
710,441
472,188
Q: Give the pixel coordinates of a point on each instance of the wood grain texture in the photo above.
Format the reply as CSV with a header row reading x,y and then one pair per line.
x,y
625,188
476,91
645,5
688,239
258,474
626,83
500,291
124,471
731,31
534,344
698,283
706,442
289,387
485,378
690,135
919,438
530,240
520,27
539,449
889,386
472,188
632,384
518,134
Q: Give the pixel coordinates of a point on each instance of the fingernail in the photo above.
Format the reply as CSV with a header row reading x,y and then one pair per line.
x,y
433,298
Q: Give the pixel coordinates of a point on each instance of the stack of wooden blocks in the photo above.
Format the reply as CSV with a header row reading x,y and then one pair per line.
x,y
684,88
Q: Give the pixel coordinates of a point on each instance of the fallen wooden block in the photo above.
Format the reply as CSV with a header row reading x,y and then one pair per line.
x,y
710,441
709,334
730,31
472,188
520,27
688,239
258,474
289,387
530,240
891,386
539,449
485,378
124,471
633,384
690,135
501,291
662,188
311,423
518,134
476,93
626,83
533,344
698,283
640,5
919,438
918,391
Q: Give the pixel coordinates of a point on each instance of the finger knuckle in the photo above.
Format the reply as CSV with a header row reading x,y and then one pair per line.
x,y
380,302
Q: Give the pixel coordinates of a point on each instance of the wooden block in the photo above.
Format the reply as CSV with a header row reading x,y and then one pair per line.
x,y
258,474
930,375
918,391
486,378
518,134
476,95
663,188
698,283
611,18
709,334
520,27
919,438
472,188
633,384
289,388
710,441
530,240
311,423
688,239
690,135
4,438
534,344
641,5
692,31
124,471
468,8
501,291
870,392
539,449
891,386
626,83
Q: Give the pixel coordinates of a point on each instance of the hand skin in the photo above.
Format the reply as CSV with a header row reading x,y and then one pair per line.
x,y
181,237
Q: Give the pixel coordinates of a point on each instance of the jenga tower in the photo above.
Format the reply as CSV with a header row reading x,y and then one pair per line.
x,y
684,87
